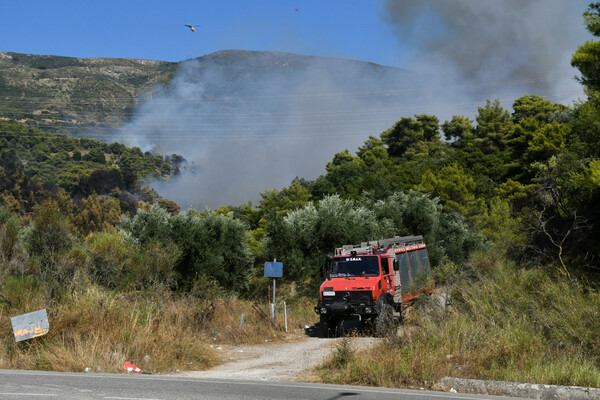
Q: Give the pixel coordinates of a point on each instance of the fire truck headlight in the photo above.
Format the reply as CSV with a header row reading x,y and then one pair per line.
x,y
323,310
368,310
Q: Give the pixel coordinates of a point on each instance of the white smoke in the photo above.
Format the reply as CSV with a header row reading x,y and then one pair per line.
x,y
253,121
507,48
261,122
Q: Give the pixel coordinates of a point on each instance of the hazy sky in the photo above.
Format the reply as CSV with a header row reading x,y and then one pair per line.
x,y
465,52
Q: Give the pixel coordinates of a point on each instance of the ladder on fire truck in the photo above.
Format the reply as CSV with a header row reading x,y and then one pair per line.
x,y
379,246
396,247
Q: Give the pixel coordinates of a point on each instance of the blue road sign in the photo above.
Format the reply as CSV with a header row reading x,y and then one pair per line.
x,y
273,269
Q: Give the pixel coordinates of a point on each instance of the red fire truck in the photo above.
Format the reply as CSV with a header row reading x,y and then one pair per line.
x,y
372,282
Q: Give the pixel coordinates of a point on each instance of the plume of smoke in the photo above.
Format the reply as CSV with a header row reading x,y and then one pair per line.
x,y
252,121
508,47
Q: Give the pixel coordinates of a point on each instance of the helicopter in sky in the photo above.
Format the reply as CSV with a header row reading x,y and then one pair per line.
x,y
192,27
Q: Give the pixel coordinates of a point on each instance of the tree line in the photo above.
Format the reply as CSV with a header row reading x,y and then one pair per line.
x,y
524,183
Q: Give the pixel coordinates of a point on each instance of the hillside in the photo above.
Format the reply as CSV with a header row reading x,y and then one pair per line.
x,y
290,109
78,95
36,166
65,94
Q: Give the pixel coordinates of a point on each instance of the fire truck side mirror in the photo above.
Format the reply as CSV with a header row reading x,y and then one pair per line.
x,y
328,260
396,264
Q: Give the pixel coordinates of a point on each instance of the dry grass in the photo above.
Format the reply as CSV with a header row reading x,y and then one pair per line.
x,y
156,331
507,324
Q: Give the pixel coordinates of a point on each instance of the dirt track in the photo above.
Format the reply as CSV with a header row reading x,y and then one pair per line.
x,y
286,361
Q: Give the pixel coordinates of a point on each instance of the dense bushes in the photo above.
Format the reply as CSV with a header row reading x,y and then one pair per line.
x,y
52,157
123,291
303,237
154,249
211,245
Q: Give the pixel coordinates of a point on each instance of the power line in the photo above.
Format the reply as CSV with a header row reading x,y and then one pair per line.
x,y
427,88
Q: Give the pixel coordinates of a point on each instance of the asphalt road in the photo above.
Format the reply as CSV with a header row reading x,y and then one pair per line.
x,y
70,386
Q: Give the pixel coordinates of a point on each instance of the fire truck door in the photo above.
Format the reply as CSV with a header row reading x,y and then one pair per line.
x,y
387,270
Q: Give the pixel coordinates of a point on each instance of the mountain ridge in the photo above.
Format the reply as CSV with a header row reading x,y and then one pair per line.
x,y
80,96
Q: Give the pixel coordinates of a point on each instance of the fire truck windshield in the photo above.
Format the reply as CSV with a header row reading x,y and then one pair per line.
x,y
354,266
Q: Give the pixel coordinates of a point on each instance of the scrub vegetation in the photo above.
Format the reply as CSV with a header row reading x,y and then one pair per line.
x,y
507,204
503,323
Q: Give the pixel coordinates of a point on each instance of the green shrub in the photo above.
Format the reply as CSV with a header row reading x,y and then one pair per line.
x,y
21,294
49,234
152,266
110,256
209,244
9,231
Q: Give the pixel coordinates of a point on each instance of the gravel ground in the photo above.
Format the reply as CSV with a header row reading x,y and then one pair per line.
x,y
288,361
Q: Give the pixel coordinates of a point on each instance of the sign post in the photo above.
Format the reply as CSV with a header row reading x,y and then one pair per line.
x,y
274,270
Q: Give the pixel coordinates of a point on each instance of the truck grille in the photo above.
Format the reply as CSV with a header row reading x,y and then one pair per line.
x,y
353,296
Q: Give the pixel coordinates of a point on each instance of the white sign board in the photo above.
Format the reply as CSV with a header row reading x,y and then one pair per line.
x,y
31,325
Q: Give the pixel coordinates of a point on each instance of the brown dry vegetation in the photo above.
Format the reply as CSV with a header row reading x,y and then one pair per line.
x,y
157,331
506,323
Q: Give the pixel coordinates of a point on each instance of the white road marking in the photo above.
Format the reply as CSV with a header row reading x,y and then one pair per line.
x,y
130,398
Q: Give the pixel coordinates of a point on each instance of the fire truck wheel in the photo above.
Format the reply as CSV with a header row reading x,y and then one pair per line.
x,y
384,322
328,325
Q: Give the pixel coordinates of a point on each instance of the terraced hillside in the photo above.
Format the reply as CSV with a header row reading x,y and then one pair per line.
x,y
72,95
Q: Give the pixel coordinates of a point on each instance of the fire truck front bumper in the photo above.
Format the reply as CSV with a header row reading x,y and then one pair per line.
x,y
347,303
344,309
